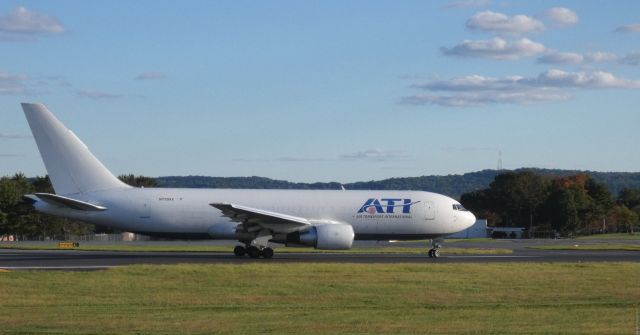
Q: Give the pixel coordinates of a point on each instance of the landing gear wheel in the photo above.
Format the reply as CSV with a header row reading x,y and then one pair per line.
x,y
239,251
253,252
434,253
267,252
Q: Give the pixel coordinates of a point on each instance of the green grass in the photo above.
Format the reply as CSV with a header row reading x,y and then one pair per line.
x,y
222,249
616,236
315,298
593,246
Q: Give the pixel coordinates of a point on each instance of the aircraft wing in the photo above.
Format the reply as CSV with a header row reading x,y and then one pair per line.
x,y
253,217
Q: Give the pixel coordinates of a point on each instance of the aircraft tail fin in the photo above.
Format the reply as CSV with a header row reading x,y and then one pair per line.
x,y
71,166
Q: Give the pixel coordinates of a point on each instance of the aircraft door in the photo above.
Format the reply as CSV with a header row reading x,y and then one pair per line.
x,y
455,214
145,211
429,210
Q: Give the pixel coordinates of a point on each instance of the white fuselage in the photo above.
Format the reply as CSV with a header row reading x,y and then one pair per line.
x,y
176,212
87,190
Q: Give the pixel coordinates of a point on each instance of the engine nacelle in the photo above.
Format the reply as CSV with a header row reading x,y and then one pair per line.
x,y
326,237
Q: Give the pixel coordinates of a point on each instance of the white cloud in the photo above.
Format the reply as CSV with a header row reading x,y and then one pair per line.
x,y
470,83
24,21
548,86
503,24
573,58
11,84
20,84
595,79
93,94
497,48
629,28
376,155
13,136
632,58
561,58
600,57
468,99
151,76
298,159
464,4
560,16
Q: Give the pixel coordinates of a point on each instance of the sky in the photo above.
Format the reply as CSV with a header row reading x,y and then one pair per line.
x,y
326,90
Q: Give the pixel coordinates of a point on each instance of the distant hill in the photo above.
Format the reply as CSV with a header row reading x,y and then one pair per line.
x,y
451,185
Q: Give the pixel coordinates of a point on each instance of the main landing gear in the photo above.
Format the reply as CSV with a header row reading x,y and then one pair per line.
x,y
253,251
434,252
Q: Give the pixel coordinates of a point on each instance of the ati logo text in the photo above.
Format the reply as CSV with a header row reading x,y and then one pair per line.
x,y
378,206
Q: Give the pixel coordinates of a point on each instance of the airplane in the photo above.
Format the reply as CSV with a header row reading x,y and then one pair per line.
x,y
324,219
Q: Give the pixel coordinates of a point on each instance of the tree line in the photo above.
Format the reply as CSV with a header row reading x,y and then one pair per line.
x,y
451,185
18,217
575,204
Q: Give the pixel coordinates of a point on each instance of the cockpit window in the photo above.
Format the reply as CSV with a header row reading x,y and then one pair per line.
x,y
458,207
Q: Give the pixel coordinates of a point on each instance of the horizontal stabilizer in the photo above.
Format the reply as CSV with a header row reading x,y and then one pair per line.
x,y
60,201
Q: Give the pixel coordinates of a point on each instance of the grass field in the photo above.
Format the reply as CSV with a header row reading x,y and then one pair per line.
x,y
515,298
593,246
222,249
616,236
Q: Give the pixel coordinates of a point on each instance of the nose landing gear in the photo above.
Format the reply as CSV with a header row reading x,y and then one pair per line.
x,y
434,252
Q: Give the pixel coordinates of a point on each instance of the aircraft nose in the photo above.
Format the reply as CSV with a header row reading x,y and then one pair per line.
x,y
469,220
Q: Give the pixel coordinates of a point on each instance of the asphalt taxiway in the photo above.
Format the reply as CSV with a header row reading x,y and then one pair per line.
x,y
15,259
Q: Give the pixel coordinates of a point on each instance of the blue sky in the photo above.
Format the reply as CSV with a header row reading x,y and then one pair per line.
x,y
326,91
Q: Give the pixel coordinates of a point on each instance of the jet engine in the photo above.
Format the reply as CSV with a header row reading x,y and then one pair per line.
x,y
326,237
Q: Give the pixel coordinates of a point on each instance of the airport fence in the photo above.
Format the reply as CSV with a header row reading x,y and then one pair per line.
x,y
121,237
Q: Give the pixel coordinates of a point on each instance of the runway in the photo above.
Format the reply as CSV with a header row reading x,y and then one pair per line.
x,y
13,259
